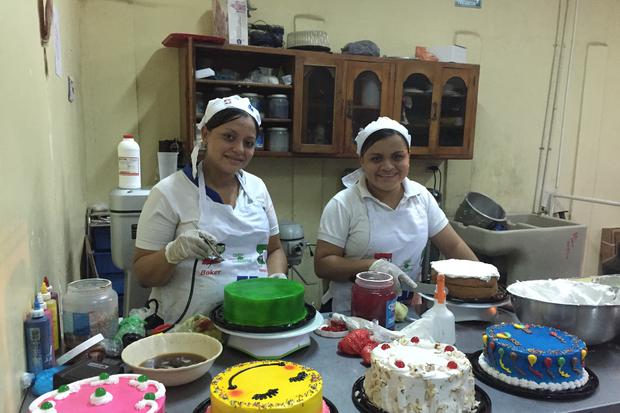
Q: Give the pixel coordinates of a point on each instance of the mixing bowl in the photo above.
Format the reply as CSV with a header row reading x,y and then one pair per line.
x,y
195,343
594,324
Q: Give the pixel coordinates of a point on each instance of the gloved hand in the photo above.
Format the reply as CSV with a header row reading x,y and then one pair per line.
x,y
193,243
278,275
400,278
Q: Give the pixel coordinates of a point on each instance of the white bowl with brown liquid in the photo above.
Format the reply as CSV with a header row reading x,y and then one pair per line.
x,y
172,358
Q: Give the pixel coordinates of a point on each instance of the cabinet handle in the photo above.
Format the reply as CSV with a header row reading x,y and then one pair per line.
x,y
434,111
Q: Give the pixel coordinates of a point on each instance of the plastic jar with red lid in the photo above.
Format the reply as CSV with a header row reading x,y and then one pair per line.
x,y
373,298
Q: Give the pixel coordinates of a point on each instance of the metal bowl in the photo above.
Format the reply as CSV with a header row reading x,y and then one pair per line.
x,y
481,211
594,324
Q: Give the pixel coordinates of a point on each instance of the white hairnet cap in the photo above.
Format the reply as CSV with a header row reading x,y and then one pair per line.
x,y
219,104
381,123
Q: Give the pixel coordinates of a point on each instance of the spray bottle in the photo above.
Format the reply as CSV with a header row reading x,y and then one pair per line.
x,y
39,345
53,308
444,330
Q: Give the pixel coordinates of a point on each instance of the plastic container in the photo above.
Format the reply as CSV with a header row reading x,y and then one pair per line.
x,y
56,298
278,139
260,140
373,298
129,163
89,307
278,106
39,340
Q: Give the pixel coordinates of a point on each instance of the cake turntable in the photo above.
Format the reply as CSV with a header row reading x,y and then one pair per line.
x,y
479,309
269,343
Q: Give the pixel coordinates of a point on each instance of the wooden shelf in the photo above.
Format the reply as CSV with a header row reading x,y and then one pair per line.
x,y
264,153
237,83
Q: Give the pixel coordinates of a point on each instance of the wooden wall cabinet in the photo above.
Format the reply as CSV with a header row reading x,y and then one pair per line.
x,y
332,96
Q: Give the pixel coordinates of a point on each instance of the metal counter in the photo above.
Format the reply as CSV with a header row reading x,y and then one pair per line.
x,y
340,372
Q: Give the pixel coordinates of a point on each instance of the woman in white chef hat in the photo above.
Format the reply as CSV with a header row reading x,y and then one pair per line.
x,y
382,220
210,224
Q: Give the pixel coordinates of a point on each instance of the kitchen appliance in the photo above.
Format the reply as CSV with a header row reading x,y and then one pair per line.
x,y
125,208
530,247
294,244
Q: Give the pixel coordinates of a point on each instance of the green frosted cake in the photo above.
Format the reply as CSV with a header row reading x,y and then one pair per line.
x,y
264,302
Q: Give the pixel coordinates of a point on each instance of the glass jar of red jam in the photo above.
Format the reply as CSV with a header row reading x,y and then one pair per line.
x,y
373,297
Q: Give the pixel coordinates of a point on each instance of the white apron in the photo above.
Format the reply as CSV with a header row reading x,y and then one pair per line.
x,y
243,233
396,235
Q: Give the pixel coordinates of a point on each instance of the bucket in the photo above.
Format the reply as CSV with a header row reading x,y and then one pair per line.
x,y
480,211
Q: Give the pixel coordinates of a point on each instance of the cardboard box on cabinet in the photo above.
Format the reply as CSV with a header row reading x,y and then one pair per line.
x,y
230,20
452,53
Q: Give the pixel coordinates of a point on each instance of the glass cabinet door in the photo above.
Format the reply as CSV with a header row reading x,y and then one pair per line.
x,y
318,130
366,98
415,104
456,116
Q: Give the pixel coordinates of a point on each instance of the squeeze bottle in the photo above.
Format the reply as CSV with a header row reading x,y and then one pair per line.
x,y
39,345
56,298
444,329
53,307
48,315
129,163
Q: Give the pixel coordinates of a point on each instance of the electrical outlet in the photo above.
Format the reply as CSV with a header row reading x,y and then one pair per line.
x,y
70,89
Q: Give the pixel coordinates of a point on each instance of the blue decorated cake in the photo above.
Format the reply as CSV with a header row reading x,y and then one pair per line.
x,y
534,357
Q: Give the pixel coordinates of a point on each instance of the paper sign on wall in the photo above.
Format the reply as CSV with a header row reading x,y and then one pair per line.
x,y
476,4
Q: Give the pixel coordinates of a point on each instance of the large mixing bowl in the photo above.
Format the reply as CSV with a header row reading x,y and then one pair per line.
x,y
594,324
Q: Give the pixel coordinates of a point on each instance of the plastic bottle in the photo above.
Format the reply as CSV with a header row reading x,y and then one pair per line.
x,y
55,297
39,346
48,315
52,306
129,163
444,328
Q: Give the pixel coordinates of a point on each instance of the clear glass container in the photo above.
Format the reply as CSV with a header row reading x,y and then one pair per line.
x,y
90,306
278,139
278,106
373,298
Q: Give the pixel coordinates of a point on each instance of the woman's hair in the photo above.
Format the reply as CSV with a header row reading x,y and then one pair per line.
x,y
227,115
377,136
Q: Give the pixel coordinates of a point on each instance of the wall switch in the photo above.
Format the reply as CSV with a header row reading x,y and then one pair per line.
x,y
70,89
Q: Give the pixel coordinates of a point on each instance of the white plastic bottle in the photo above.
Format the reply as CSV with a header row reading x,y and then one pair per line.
x,y
444,327
129,163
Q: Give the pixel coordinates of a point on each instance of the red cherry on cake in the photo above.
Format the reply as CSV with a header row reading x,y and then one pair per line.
x,y
399,363
415,339
385,346
448,348
452,365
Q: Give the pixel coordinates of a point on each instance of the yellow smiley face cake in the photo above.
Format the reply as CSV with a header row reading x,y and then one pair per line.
x,y
267,386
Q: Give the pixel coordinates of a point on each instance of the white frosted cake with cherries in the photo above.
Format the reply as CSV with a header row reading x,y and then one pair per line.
x,y
413,375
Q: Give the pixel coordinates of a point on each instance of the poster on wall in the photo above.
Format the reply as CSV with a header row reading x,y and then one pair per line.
x,y
474,4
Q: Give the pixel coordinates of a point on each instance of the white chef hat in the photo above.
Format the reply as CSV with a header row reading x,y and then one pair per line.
x,y
381,123
216,105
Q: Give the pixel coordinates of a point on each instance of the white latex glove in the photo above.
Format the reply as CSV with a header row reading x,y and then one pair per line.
x,y
400,278
278,275
194,243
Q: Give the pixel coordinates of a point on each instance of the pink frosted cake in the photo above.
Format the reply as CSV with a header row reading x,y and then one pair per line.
x,y
119,393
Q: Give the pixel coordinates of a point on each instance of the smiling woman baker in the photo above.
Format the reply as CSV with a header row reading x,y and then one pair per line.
x,y
212,222
382,214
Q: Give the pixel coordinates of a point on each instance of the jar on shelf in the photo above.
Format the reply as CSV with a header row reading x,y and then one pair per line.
x,y
278,139
257,101
278,106
90,306
373,298
260,140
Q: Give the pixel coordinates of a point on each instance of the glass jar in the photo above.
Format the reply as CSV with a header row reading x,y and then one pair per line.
x,y
278,106
90,306
373,298
221,92
278,139
257,101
